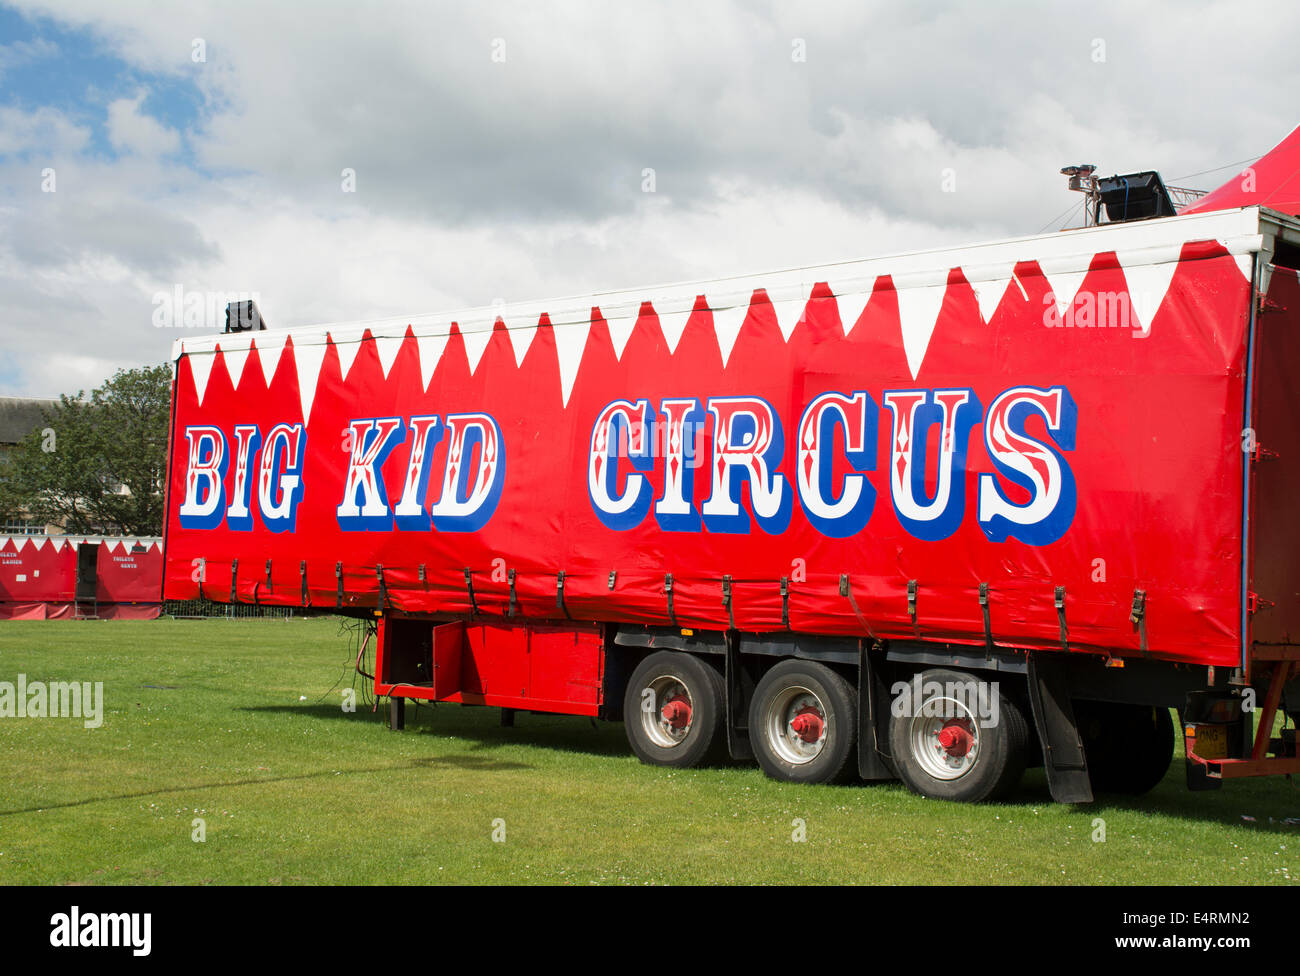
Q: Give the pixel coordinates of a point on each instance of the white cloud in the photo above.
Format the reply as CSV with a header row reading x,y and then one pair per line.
x,y
18,53
44,132
130,130
480,179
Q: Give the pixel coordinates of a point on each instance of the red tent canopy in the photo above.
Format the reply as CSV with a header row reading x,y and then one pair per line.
x,y
1273,181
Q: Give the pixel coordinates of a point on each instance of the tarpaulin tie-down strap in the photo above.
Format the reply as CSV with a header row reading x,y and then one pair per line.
x,y
726,601
668,592
1059,600
383,587
785,602
988,624
421,575
847,591
234,572
338,578
203,574
268,576
510,611
1138,616
613,577
559,593
911,600
302,573
469,588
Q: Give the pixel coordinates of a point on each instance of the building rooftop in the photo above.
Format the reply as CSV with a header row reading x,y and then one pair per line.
x,y
19,416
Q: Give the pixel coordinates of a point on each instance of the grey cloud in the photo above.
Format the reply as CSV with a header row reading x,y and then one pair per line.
x,y
523,178
590,94
52,235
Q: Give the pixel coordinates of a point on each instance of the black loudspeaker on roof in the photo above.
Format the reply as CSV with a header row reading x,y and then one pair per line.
x,y
244,317
1135,196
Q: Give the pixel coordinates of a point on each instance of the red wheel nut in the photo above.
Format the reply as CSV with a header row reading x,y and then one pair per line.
x,y
955,740
808,726
676,713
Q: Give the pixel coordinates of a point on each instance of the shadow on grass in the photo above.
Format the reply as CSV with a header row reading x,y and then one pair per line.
x,y
477,763
480,724
1268,801
1262,800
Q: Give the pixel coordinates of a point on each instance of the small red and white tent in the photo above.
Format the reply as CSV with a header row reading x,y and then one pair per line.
x,y
39,577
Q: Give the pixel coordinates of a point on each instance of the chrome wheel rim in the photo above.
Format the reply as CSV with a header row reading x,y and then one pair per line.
x,y
667,711
945,738
796,726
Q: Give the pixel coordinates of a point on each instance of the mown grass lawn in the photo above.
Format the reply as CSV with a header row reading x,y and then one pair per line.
x,y
240,724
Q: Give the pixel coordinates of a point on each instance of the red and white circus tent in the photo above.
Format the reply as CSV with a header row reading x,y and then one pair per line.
x,y
1272,181
60,577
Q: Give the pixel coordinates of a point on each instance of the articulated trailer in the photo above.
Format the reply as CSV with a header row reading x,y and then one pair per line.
x,y
933,517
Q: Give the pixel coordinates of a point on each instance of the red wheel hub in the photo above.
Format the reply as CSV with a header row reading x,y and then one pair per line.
x,y
956,739
808,725
677,712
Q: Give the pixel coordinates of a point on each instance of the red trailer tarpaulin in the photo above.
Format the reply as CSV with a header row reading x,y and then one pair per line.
x,y
863,449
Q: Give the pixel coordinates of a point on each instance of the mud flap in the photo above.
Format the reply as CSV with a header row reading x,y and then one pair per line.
x,y
738,745
873,720
1063,755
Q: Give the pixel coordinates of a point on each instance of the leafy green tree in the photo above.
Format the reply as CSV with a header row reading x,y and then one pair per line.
x,y
11,503
99,464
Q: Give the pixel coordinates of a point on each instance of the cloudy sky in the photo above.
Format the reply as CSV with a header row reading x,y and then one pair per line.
x,y
349,161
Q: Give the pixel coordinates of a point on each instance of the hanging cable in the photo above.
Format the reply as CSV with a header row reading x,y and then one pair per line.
x,y
1240,162
1064,213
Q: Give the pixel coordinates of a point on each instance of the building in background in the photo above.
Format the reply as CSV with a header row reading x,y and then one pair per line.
x,y
19,416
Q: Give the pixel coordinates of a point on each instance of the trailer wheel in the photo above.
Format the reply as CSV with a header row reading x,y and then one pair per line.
x,y
1129,747
801,722
672,711
948,745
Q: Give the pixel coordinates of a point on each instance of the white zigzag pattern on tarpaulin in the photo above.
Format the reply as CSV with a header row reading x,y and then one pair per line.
x,y
920,286
113,543
918,307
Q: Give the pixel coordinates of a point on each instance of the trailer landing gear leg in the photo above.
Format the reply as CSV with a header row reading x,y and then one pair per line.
x,y
396,713
507,718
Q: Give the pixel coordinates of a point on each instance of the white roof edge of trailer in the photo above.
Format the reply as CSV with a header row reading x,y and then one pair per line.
x,y
1140,243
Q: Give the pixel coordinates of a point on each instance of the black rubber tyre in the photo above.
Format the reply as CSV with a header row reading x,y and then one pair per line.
x,y
1128,747
994,760
813,698
660,680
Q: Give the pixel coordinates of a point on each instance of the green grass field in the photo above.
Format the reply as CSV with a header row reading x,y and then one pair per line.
x,y
207,719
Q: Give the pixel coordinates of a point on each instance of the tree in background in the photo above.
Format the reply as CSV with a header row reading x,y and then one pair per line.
x,y
99,464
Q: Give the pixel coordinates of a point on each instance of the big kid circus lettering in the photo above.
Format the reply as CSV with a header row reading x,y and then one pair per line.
x,y
738,440
646,459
